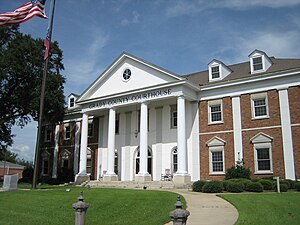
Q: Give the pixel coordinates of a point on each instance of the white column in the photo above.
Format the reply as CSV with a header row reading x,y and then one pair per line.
x,y
143,174
144,140
77,145
83,144
237,129
181,136
287,141
55,156
110,174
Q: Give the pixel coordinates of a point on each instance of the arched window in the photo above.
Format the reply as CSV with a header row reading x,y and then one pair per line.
x,y
174,160
137,161
116,162
65,159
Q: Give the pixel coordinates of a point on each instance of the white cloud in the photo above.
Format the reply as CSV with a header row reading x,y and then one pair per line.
x,y
24,141
134,20
84,68
275,44
182,7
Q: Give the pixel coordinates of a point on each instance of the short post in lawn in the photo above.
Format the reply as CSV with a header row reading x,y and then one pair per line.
x,y
80,210
277,183
179,216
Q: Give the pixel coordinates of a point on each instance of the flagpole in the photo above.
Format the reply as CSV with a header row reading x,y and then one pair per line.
x,y
39,132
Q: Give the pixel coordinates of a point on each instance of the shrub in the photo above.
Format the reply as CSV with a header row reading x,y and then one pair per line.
x,y
286,183
297,186
291,183
283,188
267,184
254,187
197,185
225,183
213,187
238,171
242,181
28,173
235,187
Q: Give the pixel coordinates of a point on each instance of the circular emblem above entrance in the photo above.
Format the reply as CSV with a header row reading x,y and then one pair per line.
x,y
126,74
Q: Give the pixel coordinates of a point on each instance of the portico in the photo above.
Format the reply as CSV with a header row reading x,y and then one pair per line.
x,y
140,127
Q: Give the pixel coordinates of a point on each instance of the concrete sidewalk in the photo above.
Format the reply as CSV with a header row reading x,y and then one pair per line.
x,y
208,209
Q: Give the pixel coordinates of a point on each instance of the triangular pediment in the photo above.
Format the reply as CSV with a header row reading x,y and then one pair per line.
x,y
215,141
126,74
261,138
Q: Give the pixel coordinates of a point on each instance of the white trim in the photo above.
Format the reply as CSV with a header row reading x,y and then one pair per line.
x,y
217,132
237,129
287,140
211,104
260,146
216,149
259,96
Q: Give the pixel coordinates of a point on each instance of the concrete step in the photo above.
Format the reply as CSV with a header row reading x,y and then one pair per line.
x,y
137,185
132,184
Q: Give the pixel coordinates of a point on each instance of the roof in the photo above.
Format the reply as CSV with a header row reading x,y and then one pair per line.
x,y
10,165
242,70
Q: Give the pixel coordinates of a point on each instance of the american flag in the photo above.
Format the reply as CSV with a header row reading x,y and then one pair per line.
x,y
24,13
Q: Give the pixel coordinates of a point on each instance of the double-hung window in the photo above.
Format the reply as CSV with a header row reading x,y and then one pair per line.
x,y
90,128
215,72
262,144
259,106
257,63
173,116
216,156
215,111
67,131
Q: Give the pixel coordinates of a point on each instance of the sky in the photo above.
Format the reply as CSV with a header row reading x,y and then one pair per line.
x,y
182,36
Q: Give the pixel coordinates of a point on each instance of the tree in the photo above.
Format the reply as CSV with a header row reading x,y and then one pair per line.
x,y
21,72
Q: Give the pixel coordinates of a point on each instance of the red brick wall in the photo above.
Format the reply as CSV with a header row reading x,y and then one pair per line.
x,y
249,123
11,171
227,125
273,120
204,155
277,151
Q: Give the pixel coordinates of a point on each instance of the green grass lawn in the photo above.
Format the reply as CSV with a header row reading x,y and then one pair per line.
x,y
266,208
107,206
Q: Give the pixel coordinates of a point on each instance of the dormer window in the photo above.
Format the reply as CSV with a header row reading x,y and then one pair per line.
x,y
257,63
215,72
72,102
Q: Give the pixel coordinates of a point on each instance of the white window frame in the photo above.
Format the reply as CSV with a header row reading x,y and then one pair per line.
x,y
71,101
174,153
90,127
262,64
210,105
67,125
257,97
212,73
216,149
261,146
65,155
173,118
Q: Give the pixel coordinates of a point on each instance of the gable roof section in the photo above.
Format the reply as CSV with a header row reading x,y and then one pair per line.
x,y
242,70
116,64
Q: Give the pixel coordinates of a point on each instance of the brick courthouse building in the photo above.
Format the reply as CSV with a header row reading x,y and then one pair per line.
x,y
138,121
